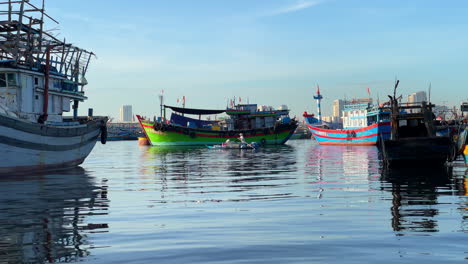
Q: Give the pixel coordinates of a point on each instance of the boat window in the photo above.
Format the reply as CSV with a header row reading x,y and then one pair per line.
x,y
11,79
2,80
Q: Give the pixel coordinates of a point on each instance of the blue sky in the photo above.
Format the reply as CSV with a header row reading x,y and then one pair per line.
x,y
273,52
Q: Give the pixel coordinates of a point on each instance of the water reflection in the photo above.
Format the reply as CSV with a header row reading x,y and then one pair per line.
x,y
415,193
210,173
42,218
345,160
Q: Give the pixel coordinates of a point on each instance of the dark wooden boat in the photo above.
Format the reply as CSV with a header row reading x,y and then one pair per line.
x,y
413,140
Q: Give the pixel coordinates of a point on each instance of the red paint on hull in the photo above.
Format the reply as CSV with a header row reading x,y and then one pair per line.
x,y
348,144
346,131
352,138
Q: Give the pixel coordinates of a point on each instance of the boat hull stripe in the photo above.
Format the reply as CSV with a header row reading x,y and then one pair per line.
x,y
348,130
352,138
43,147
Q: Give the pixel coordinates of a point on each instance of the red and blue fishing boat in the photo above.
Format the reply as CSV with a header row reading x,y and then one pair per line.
x,y
363,124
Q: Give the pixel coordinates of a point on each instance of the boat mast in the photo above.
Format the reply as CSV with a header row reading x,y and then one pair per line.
x,y
319,97
395,111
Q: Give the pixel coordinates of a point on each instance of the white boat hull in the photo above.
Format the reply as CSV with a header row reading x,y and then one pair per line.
x,y
27,146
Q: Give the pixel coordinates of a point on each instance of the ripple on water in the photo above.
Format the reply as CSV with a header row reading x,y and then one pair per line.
x,y
296,203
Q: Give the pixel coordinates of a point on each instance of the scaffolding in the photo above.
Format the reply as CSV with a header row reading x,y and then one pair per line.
x,y
24,42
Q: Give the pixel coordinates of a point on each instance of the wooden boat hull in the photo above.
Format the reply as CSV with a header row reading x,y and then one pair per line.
x,y
30,146
366,136
429,151
174,135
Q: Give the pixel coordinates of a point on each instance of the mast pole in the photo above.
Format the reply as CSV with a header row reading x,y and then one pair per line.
x,y
319,98
45,105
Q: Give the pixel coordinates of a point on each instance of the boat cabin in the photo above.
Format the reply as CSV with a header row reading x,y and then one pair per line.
x,y
252,116
240,117
22,93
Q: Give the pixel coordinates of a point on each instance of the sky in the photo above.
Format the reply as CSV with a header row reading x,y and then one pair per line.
x,y
269,52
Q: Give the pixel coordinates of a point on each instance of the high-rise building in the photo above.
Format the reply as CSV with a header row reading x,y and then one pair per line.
x,y
126,114
338,108
417,97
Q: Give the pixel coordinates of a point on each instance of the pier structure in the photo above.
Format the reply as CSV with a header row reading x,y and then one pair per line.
x,y
319,97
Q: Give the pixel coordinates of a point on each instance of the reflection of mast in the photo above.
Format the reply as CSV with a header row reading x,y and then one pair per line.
x,y
319,97
413,197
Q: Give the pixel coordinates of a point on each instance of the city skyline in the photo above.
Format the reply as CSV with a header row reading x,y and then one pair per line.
x,y
272,52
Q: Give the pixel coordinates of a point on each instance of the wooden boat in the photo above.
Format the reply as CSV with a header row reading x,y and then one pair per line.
x,y
413,138
39,78
363,125
271,127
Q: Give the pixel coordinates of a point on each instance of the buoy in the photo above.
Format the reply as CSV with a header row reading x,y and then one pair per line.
x,y
143,141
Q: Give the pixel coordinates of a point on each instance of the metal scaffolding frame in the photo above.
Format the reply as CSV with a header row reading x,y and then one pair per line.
x,y
24,41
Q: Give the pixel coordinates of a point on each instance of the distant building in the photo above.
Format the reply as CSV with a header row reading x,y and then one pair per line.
x,y
417,97
126,114
328,119
338,106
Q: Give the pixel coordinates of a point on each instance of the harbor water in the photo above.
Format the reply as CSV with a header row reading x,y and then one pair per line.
x,y
297,203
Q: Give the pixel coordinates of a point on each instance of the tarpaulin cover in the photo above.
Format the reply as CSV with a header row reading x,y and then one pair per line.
x,y
192,111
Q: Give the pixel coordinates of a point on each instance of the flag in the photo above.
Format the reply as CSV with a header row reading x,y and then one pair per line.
x,y
183,100
318,89
177,100
240,99
368,91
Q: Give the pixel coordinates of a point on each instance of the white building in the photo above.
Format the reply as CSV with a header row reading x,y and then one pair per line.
x,y
417,97
338,106
126,114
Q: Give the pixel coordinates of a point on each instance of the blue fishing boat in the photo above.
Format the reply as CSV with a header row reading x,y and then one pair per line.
x,y
363,125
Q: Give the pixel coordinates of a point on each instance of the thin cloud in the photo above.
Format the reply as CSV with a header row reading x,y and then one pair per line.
x,y
300,5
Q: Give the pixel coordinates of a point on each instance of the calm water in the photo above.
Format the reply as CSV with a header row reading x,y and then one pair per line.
x,y
298,203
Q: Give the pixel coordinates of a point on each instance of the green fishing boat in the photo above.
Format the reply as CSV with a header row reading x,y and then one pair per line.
x,y
261,125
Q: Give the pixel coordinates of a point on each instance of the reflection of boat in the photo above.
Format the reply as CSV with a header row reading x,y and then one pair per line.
x,y
45,218
413,140
39,78
265,127
363,125
414,191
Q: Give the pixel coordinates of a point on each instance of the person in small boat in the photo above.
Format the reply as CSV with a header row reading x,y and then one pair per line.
x,y
242,139
243,143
